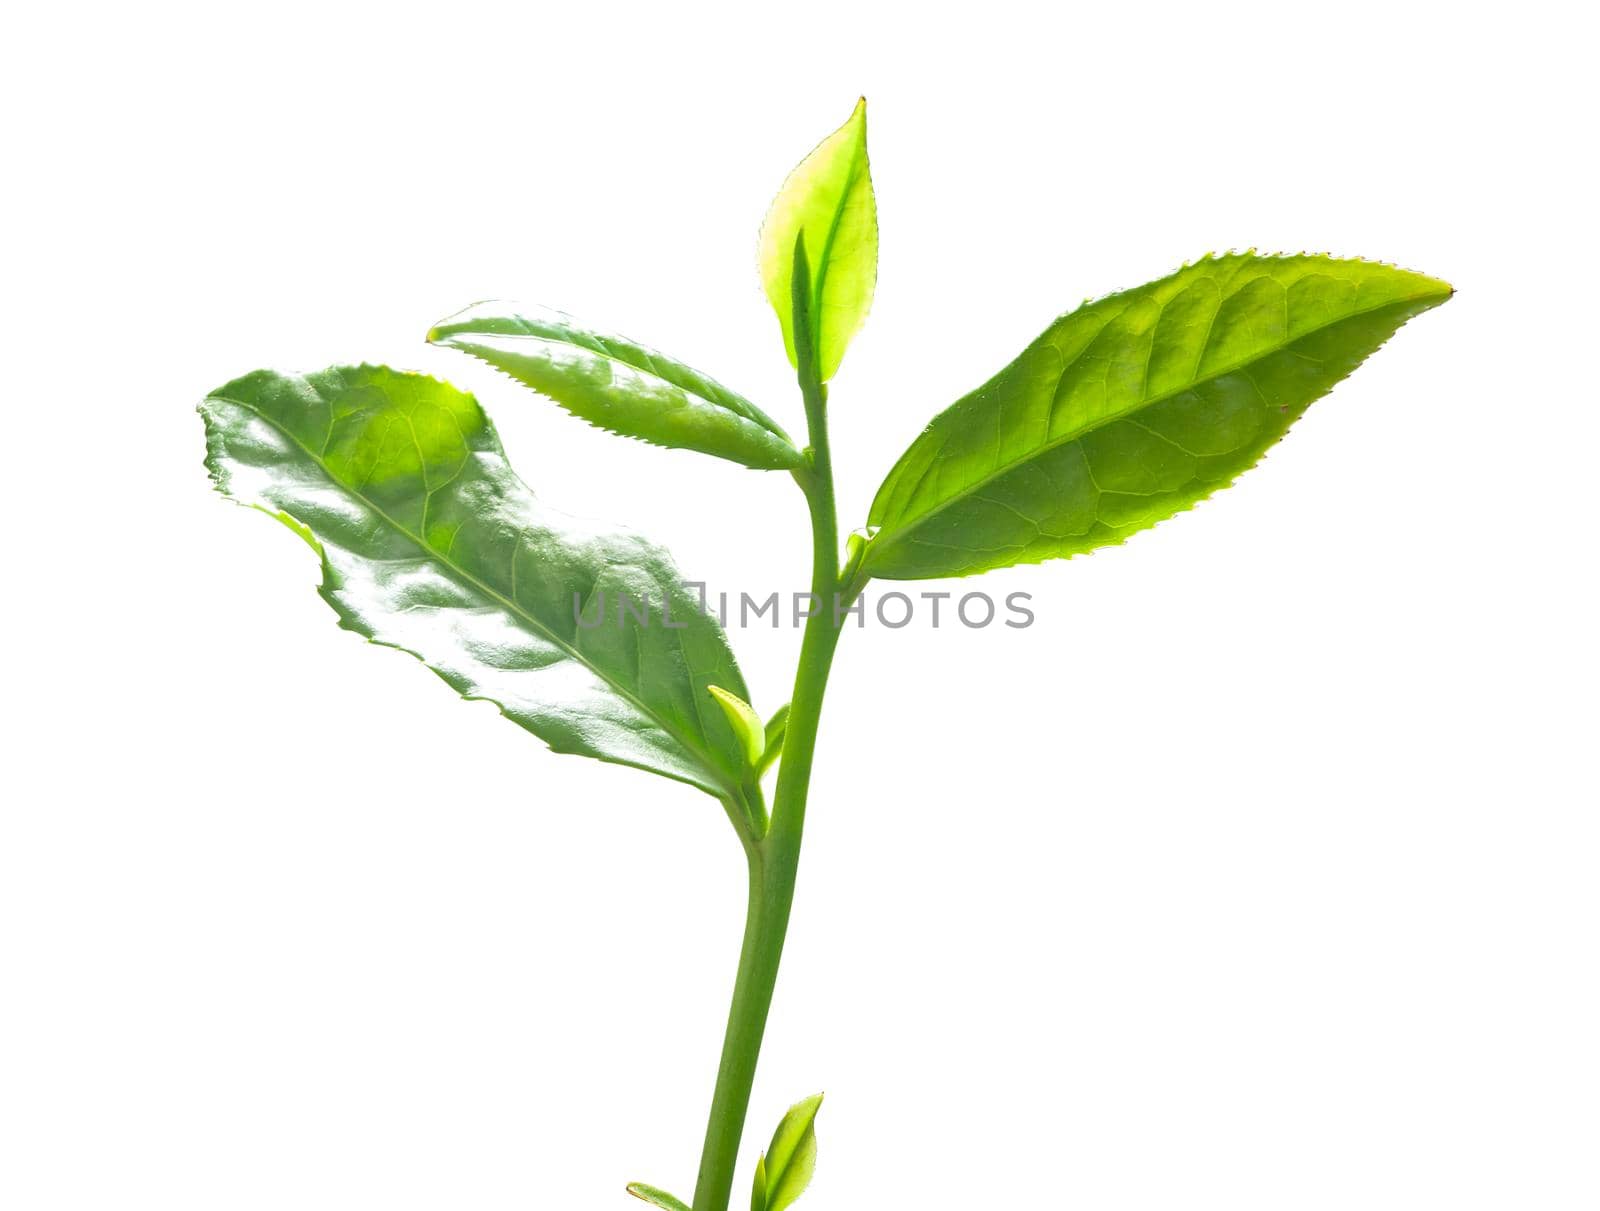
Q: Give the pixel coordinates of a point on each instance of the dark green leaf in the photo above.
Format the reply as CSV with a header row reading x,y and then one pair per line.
x,y
617,384
431,544
1133,408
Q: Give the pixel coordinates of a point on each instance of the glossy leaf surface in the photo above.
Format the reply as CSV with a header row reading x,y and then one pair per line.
x,y
430,543
656,1198
826,204
617,384
786,1167
1133,408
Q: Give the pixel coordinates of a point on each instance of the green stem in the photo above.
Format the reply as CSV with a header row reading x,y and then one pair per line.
x,y
775,858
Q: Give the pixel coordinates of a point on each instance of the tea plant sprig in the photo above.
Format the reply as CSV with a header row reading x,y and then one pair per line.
x,y
1122,413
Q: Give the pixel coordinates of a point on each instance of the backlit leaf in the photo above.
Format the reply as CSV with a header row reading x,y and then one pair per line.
x,y
745,722
827,204
656,1198
777,728
758,1188
791,1158
617,384
1131,409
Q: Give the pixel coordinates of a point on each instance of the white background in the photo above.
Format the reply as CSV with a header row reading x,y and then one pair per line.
x,y
1260,874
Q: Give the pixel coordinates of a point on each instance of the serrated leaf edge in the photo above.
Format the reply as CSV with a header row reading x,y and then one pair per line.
x,y
760,421
1140,527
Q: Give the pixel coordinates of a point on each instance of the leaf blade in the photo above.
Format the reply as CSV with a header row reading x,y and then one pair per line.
x,y
758,1188
777,728
791,1158
617,384
745,722
828,202
430,543
656,1198
1131,409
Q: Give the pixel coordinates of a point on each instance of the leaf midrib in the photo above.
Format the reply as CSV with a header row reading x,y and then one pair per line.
x,y
857,155
509,604
906,525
